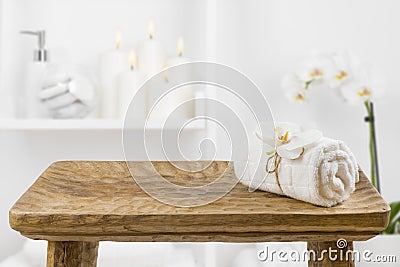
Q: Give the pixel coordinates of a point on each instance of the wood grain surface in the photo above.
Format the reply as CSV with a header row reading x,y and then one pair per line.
x,y
98,200
72,254
339,258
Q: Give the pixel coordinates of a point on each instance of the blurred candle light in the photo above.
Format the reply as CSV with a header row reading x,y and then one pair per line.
x,y
151,53
150,29
128,84
151,57
112,63
179,59
132,60
179,96
118,39
180,46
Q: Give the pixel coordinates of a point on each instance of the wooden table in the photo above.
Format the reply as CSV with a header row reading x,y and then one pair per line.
x,y
76,204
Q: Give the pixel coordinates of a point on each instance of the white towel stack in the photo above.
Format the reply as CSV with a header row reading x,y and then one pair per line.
x,y
324,175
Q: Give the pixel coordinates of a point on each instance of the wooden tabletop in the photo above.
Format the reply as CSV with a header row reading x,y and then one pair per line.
x,y
97,200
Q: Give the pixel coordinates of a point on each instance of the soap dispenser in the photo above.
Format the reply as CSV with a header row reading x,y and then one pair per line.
x,y
35,73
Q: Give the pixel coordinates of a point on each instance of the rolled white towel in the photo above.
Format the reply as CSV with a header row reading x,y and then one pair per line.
x,y
324,175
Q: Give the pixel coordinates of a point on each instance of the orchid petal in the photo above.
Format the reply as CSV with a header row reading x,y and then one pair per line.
x,y
306,138
288,126
289,154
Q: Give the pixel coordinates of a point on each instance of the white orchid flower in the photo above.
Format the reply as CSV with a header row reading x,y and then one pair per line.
x,y
289,141
339,71
344,65
294,87
293,81
312,72
365,86
316,70
299,96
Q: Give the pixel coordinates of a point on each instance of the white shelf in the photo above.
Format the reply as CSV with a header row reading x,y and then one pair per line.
x,y
50,124
86,124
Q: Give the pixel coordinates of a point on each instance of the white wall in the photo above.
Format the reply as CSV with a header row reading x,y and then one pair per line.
x,y
266,39
24,157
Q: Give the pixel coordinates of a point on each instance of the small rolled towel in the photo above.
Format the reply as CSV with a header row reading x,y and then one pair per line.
x,y
324,175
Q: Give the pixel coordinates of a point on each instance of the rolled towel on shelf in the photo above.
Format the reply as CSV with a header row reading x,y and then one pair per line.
x,y
322,171
67,93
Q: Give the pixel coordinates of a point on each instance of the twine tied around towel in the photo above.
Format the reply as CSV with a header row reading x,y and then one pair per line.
x,y
277,161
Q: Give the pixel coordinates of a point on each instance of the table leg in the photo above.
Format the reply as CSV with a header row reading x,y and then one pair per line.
x,y
72,254
326,259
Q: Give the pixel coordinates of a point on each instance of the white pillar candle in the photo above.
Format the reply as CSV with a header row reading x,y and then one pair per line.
x,y
151,54
112,63
151,57
185,93
128,84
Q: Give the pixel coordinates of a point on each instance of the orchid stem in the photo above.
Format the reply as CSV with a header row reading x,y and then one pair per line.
x,y
372,145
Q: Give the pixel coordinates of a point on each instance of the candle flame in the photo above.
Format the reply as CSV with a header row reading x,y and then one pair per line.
x,y
150,29
180,46
132,59
118,39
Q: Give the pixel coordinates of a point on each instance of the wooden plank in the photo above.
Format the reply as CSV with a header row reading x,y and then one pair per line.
x,y
78,198
214,237
72,254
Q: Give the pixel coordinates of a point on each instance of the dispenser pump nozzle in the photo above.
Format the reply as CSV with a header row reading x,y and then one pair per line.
x,y
41,53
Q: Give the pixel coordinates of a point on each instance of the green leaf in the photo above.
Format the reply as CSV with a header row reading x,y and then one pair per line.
x,y
269,153
395,209
394,217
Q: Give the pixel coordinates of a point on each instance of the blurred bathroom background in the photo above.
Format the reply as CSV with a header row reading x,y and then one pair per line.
x,y
263,39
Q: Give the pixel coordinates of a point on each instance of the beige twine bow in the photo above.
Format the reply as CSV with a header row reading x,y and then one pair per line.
x,y
277,161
